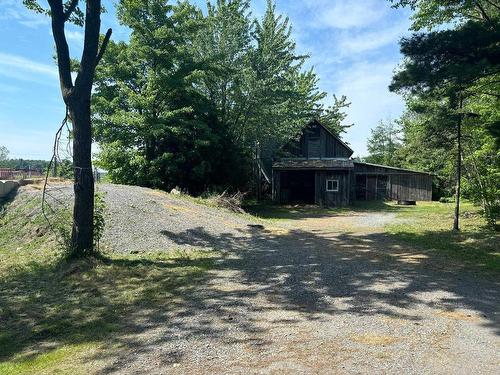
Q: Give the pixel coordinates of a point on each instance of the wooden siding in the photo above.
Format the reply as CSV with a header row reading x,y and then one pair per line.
x,y
410,187
317,142
340,198
380,182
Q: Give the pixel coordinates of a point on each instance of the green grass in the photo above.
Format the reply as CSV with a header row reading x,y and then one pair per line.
x,y
275,212
428,225
77,307
69,317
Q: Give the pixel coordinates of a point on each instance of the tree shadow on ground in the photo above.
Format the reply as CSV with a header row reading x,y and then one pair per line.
x,y
147,307
304,270
104,301
270,210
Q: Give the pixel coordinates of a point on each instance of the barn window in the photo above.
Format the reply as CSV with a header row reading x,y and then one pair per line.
x,y
332,185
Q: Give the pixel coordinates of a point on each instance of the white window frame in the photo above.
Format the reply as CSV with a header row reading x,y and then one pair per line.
x,y
336,189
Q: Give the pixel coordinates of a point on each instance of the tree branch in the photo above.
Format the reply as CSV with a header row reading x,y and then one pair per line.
x,y
71,8
493,4
62,50
83,82
482,11
103,46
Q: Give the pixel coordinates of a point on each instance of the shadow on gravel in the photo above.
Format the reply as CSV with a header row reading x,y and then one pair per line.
x,y
133,307
270,210
105,303
304,271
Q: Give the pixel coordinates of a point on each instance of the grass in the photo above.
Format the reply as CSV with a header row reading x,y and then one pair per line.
x,y
428,226
69,317
55,312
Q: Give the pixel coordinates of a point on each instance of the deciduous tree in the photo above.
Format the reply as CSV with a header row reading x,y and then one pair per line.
x,y
76,96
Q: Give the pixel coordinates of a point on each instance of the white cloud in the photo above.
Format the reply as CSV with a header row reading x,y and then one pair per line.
x,y
344,14
18,67
359,42
74,35
13,10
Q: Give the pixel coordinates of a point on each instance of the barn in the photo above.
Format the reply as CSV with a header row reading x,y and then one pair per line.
x,y
317,168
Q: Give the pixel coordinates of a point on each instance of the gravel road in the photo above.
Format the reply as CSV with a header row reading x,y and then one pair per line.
x,y
317,295
312,295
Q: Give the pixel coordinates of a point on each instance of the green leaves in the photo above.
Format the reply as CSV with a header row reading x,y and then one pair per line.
x,y
384,144
186,102
450,76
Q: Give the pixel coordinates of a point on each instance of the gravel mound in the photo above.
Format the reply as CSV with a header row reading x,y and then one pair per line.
x,y
140,219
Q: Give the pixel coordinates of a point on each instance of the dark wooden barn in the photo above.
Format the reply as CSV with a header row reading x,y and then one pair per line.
x,y
317,168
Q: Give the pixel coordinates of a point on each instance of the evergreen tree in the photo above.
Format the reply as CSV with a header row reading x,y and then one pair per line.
x,y
454,67
193,100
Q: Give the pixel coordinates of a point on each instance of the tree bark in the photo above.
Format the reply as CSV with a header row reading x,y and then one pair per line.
x,y
83,230
456,225
77,99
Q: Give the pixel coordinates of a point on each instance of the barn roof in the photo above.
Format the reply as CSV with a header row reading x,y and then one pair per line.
x,y
388,167
300,163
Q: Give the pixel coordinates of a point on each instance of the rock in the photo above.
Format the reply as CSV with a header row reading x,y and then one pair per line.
x,y
175,191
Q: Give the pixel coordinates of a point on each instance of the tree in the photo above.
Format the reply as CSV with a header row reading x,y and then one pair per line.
x,y
4,153
76,96
383,144
156,128
431,14
333,116
452,67
192,100
428,140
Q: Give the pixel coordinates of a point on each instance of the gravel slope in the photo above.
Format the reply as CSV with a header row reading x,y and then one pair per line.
x,y
140,219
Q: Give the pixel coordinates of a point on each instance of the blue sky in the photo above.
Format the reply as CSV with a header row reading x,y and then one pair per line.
x,y
353,47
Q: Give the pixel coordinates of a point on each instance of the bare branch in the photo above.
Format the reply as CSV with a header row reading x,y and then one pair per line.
x,y
103,46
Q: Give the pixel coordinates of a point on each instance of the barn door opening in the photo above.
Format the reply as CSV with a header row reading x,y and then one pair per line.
x,y
371,188
297,187
360,187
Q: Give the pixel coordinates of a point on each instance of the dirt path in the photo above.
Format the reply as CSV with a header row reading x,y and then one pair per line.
x,y
316,295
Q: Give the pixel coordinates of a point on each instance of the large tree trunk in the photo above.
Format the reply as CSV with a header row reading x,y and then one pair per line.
x,y
82,233
77,100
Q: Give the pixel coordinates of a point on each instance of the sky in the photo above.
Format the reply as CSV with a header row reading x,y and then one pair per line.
x,y
353,47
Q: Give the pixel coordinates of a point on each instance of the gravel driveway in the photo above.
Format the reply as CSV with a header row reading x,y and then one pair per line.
x,y
312,295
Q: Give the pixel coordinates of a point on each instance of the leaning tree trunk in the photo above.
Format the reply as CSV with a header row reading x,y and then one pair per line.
x,y
82,233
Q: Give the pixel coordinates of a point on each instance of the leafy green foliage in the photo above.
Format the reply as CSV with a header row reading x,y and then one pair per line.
x,y
384,144
431,14
40,165
189,100
450,79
